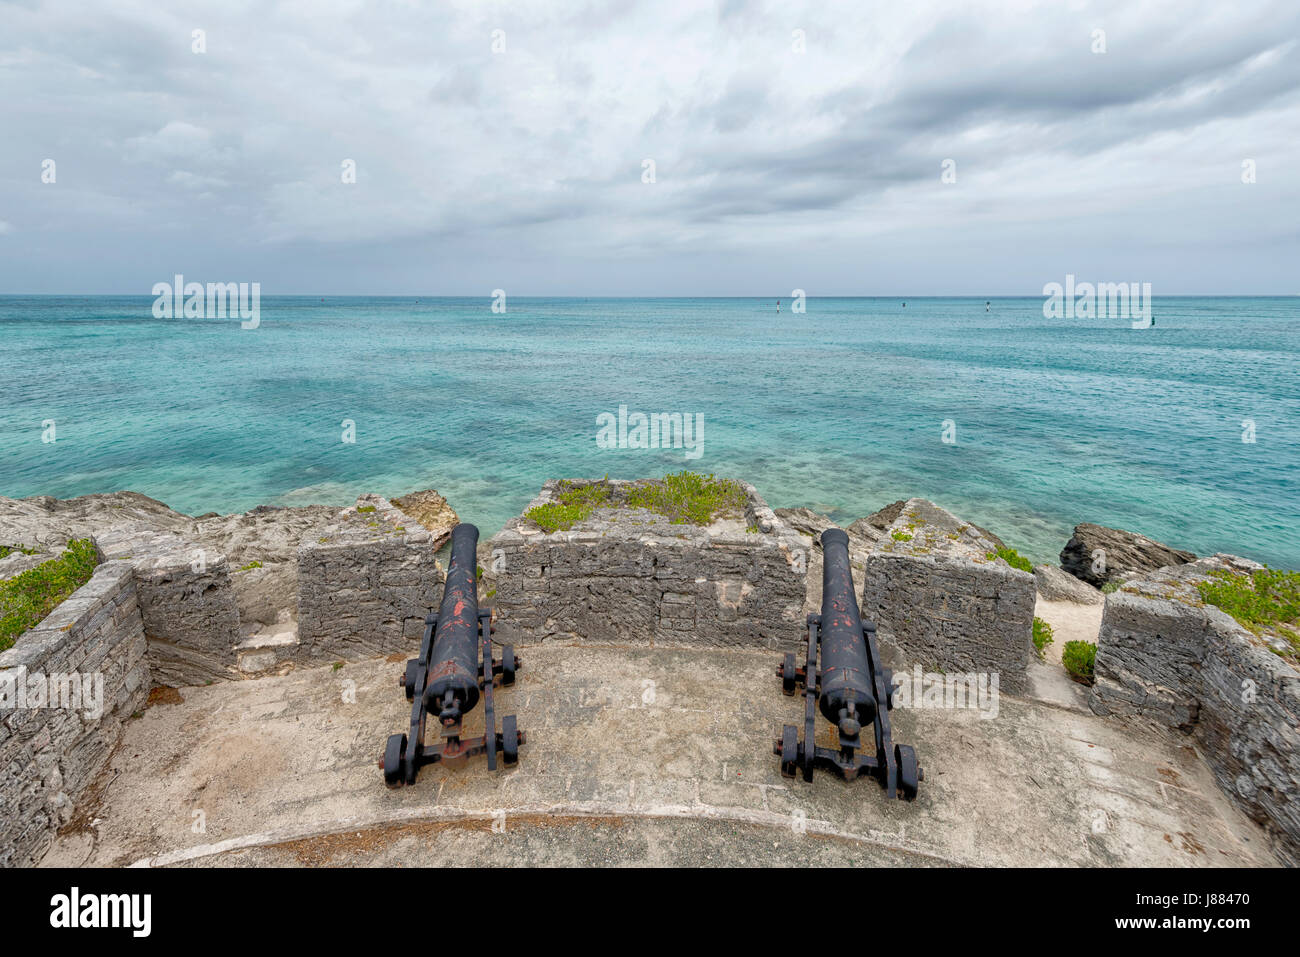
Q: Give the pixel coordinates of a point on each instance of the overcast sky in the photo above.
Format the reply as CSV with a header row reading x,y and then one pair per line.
x,y
522,168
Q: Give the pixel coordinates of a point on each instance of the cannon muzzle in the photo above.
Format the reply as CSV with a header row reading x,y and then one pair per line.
x,y
846,683
452,686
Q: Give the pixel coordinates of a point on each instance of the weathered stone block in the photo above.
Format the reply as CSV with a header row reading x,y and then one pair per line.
x,y
630,575
366,584
1057,585
56,731
1166,656
936,595
187,601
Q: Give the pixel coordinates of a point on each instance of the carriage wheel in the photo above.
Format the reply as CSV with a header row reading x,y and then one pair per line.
x,y
508,664
394,754
412,666
789,750
788,675
510,739
909,774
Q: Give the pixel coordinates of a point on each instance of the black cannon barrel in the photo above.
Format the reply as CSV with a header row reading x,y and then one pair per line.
x,y
453,668
846,683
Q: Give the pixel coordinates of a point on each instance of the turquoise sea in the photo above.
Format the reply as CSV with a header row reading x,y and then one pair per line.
x,y
841,408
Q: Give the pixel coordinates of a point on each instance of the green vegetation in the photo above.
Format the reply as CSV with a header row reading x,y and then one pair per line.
x,y
594,494
1109,587
250,566
7,550
900,536
1042,636
1012,558
26,599
554,516
575,502
684,497
688,498
365,508
1078,658
1266,598
338,665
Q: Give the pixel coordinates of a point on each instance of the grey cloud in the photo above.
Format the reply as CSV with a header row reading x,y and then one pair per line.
x,y
527,164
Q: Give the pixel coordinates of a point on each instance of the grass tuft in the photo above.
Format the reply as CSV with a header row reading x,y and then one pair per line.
x,y
1012,558
684,497
1078,658
688,498
554,516
1042,637
27,599
1266,598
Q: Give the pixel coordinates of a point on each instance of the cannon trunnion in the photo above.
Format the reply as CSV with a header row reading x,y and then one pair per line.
x,y
844,678
454,670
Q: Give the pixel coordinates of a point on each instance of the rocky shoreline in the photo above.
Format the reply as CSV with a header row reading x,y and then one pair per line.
x,y
262,543
257,592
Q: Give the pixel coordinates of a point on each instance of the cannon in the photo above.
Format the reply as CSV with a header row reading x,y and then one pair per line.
x,y
844,678
455,664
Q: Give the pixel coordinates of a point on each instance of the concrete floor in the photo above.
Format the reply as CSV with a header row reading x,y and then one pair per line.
x,y
636,756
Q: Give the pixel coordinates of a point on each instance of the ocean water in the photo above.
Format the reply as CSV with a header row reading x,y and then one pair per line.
x,y
841,408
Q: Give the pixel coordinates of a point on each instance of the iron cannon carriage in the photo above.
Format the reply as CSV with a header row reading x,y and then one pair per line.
x,y
454,669
844,678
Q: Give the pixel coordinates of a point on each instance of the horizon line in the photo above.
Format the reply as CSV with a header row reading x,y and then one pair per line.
x,y
900,296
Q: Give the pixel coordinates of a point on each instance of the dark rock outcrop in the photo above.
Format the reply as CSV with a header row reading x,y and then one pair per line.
x,y
1098,555
882,519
